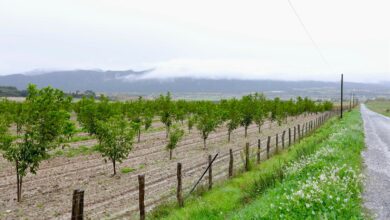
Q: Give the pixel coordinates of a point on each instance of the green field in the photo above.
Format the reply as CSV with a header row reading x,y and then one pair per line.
x,y
380,106
319,178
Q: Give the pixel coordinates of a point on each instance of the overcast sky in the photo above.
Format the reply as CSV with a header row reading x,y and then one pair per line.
x,y
200,38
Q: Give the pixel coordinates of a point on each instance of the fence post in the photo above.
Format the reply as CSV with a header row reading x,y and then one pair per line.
x,y
246,156
179,194
141,183
210,173
231,163
258,150
299,132
277,142
78,205
283,134
289,137
295,134
268,145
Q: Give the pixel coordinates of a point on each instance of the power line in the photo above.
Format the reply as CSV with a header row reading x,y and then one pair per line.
x,y
310,37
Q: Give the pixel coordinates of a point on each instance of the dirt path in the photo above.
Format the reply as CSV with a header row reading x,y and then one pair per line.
x,y
377,160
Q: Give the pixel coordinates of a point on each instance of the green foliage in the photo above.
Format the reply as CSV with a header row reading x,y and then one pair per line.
x,y
44,115
68,130
208,120
125,170
174,138
246,110
260,111
191,122
231,114
116,139
77,151
166,111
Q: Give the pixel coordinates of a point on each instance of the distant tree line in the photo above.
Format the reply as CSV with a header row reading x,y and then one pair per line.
x,y
12,91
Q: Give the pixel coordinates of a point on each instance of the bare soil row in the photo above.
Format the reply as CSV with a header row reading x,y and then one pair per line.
x,y
47,195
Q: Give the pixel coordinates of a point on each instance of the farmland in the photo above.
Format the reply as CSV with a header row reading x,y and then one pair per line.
x,y
380,106
80,165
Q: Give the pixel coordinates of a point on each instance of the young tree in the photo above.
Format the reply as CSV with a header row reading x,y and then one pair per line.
x,y
208,120
232,116
68,131
147,119
19,117
166,111
87,114
174,137
260,111
191,120
117,139
247,113
45,116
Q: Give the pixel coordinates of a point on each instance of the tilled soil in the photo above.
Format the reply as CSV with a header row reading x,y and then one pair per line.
x,y
48,194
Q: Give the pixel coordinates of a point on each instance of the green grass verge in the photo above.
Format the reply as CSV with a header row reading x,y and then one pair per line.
x,y
273,189
382,107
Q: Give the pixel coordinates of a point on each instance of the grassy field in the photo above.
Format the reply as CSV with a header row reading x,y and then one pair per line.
x,y
319,178
382,106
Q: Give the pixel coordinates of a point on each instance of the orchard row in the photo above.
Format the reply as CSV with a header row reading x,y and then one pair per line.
x,y
43,122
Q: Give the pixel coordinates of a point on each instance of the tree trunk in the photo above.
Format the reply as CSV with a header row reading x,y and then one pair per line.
x,y
204,143
259,128
246,130
20,186
229,133
167,132
17,182
113,164
170,154
139,135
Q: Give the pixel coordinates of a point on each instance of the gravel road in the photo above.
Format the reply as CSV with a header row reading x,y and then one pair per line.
x,y
377,160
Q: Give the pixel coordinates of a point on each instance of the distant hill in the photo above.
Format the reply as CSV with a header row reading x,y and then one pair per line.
x,y
11,91
129,82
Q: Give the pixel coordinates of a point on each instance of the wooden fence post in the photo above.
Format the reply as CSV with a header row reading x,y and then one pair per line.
x,y
78,205
231,163
295,134
283,134
289,137
299,132
141,183
179,194
210,173
277,142
247,156
268,145
258,150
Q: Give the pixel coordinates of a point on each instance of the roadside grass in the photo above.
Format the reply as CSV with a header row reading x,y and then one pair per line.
x,y
380,106
274,189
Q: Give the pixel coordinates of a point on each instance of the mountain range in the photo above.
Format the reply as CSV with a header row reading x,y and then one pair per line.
x,y
135,82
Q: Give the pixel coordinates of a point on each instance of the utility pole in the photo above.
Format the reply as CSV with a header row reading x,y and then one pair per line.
x,y
341,101
350,102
